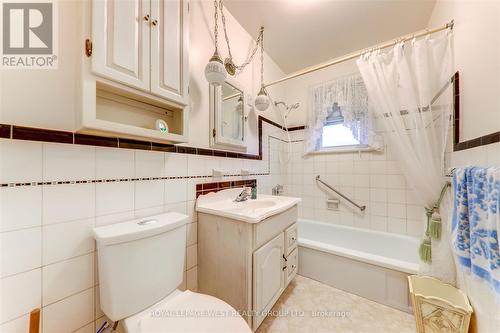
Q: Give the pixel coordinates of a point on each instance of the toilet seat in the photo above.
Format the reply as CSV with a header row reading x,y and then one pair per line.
x,y
187,312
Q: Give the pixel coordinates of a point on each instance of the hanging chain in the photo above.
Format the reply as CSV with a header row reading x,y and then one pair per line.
x,y
216,19
261,57
259,40
221,6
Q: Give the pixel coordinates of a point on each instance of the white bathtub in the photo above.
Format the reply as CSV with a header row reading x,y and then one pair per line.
x,y
371,264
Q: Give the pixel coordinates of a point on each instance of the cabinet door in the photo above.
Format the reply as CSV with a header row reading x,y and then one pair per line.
x,y
121,41
268,277
169,49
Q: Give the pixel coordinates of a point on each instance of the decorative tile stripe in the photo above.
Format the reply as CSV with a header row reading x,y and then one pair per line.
x,y
96,181
481,141
206,188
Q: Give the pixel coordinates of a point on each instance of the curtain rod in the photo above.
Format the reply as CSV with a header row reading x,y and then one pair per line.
x,y
356,54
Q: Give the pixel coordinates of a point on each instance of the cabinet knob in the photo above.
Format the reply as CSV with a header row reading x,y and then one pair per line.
x,y
146,18
293,266
154,22
284,267
293,238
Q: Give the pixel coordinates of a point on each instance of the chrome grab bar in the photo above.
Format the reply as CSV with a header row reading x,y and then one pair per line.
x,y
361,208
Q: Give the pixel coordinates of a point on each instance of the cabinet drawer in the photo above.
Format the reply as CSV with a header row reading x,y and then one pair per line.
x,y
290,239
274,225
292,263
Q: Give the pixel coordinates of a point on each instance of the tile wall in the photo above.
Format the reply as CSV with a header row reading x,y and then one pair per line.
x,y
48,257
369,178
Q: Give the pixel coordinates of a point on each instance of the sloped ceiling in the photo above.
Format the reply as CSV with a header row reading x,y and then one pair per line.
x,y
302,33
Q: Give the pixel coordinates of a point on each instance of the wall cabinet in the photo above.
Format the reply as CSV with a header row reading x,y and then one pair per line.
x,y
143,44
247,265
140,56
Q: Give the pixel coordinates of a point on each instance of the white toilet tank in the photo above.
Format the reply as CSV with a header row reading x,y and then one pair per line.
x,y
140,262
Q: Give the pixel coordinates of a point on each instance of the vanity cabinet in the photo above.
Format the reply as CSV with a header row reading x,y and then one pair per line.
x,y
248,265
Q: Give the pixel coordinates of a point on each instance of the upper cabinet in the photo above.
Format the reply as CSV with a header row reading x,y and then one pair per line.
x,y
143,44
169,49
121,33
138,70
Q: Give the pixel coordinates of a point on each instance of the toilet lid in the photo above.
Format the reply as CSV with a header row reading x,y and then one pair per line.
x,y
188,312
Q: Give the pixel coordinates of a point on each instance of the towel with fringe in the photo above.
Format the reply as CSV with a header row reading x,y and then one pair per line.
x,y
476,222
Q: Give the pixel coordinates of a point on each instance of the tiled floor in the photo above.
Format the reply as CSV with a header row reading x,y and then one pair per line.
x,y
309,306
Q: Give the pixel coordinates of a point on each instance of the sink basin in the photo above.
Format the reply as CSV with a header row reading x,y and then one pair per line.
x,y
253,205
252,211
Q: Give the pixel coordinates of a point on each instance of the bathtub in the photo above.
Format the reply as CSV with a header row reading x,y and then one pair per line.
x,y
371,264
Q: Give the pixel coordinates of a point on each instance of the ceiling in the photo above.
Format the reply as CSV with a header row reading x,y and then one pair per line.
x,y
302,33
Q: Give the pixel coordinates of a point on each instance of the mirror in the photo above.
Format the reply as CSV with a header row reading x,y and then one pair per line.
x,y
227,115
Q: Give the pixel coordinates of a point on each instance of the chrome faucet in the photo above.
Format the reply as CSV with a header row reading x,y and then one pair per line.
x,y
277,190
244,195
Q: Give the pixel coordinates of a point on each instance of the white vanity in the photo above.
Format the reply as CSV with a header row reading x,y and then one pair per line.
x,y
247,251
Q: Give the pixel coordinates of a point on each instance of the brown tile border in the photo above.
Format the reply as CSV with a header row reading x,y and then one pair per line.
x,y
480,141
206,188
94,140
39,134
47,135
5,131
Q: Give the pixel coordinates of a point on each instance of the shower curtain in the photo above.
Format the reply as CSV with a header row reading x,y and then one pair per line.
x,y
411,96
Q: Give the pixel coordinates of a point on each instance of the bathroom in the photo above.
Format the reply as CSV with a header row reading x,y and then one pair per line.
x,y
133,122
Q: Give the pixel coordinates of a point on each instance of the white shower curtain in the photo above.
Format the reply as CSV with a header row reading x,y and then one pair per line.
x,y
402,87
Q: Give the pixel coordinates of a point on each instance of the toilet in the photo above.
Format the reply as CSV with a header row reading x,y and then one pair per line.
x,y
141,264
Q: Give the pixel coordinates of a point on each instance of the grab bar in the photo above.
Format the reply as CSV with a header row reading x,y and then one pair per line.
x,y
361,208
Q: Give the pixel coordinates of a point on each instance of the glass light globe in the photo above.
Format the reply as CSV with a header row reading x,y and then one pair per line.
x,y
262,101
215,73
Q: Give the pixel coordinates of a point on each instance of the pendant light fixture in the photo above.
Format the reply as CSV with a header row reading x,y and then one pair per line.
x,y
262,100
215,73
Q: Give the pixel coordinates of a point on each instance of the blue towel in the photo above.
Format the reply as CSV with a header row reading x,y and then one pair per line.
x,y
476,222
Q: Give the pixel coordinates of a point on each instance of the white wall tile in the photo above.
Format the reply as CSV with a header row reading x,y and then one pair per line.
x,y
396,182
20,250
21,293
196,166
19,325
377,208
191,233
150,211
378,223
21,161
191,256
114,197
192,279
396,196
20,207
70,313
179,207
89,328
114,218
175,190
191,211
67,240
396,210
68,162
67,278
64,203
149,193
149,164
114,163
396,225
175,164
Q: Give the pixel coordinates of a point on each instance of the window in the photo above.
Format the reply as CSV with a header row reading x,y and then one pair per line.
x,y
338,118
336,134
